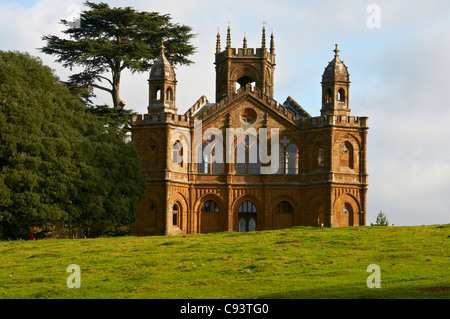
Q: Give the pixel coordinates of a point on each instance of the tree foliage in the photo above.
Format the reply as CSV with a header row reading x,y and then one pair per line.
x,y
382,219
110,40
58,163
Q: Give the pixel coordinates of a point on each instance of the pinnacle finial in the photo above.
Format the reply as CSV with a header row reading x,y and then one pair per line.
x,y
272,43
263,41
336,51
218,42
245,40
229,36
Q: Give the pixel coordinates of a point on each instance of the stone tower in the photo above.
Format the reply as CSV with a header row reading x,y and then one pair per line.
x,y
335,87
162,86
244,66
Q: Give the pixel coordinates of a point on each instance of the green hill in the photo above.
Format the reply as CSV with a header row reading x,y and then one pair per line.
x,y
301,262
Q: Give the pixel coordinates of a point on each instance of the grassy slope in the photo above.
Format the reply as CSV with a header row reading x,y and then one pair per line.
x,y
300,262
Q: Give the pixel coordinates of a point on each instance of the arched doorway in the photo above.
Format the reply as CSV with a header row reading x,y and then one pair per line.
x,y
210,217
283,215
247,217
346,211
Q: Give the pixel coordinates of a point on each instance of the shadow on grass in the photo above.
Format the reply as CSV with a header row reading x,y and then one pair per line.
x,y
363,293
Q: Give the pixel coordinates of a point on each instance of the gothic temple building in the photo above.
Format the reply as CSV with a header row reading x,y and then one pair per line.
x,y
320,179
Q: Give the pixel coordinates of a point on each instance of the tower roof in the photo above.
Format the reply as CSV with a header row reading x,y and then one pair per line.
x,y
162,69
336,70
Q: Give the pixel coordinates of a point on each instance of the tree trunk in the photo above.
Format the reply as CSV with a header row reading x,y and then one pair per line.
x,y
117,102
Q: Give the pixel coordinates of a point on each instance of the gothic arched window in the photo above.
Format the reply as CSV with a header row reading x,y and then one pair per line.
x,y
177,154
341,95
158,94
329,96
347,155
207,161
284,207
176,215
288,158
247,216
320,156
169,94
246,156
203,159
210,206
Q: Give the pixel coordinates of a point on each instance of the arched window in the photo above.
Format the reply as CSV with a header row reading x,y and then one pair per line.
x,y
284,207
347,155
243,81
203,159
341,95
177,154
329,96
210,206
291,160
169,94
247,216
217,168
175,214
288,158
207,162
320,156
246,156
247,207
158,94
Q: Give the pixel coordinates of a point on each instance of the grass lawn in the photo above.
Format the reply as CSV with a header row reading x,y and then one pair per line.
x,y
301,262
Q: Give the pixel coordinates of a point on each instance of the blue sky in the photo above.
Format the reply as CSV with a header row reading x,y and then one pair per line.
x,y
400,76
23,3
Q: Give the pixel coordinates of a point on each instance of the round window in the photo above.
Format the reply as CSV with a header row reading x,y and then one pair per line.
x,y
248,116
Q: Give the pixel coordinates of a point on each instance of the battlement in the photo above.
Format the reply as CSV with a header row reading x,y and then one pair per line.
x,y
162,118
252,53
361,121
153,119
333,120
197,105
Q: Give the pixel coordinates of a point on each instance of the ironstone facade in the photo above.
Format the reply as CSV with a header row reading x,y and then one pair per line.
x,y
321,178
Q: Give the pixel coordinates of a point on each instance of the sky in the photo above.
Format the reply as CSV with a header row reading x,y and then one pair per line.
x,y
397,54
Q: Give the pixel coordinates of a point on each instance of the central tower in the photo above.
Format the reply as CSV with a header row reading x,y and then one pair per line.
x,y
244,66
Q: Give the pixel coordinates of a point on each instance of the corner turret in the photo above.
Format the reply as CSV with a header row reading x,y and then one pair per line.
x,y
335,87
162,86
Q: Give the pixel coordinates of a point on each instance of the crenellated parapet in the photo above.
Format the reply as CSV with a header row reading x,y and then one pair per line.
x,y
197,106
250,53
160,118
333,120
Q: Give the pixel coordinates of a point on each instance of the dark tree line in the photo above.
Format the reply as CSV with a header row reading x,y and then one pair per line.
x,y
64,162
59,164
